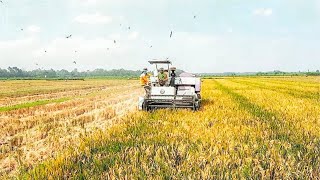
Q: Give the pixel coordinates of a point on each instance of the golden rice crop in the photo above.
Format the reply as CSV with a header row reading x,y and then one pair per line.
x,y
247,128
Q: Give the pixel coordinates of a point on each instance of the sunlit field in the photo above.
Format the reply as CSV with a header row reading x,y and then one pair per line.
x,y
247,128
39,118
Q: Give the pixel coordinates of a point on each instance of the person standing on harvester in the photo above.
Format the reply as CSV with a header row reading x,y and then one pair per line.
x,y
144,81
173,76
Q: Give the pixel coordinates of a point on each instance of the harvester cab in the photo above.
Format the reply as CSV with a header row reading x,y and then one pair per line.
x,y
177,92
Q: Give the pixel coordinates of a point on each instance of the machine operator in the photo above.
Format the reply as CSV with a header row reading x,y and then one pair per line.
x,y
163,77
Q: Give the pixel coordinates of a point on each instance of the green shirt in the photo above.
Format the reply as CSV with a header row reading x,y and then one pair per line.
x,y
162,76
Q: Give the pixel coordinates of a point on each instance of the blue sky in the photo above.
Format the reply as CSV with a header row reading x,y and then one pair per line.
x,y
226,35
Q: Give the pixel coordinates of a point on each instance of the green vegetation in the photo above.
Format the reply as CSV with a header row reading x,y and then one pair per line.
x,y
17,73
275,73
32,104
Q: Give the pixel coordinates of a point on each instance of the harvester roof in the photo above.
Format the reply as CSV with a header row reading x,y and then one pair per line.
x,y
159,62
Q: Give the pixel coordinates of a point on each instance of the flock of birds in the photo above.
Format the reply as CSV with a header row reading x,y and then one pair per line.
x,y
114,41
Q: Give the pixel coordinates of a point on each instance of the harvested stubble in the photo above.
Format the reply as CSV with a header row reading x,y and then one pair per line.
x,y
32,134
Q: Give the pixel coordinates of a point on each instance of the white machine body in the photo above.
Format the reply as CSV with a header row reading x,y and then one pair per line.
x,y
183,93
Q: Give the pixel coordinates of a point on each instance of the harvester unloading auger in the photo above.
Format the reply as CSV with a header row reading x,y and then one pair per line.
x,y
178,92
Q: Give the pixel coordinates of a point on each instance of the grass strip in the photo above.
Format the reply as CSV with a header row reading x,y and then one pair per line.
x,y
32,104
44,102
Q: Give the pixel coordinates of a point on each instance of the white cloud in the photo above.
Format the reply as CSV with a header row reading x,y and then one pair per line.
x,y
230,30
18,52
96,18
263,12
85,3
33,29
100,52
239,53
115,36
91,2
193,52
91,53
13,44
133,36
318,7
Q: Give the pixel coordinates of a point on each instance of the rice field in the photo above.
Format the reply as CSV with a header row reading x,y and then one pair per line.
x,y
39,118
247,128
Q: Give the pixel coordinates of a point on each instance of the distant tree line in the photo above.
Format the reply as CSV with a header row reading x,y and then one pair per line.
x,y
15,72
270,73
281,73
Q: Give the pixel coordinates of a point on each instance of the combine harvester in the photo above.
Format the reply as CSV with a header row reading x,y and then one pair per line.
x,y
177,92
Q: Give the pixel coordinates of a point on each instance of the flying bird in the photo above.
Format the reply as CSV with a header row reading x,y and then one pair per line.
x,y
69,36
129,27
171,34
75,51
37,64
21,29
150,46
114,41
74,62
194,16
45,51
